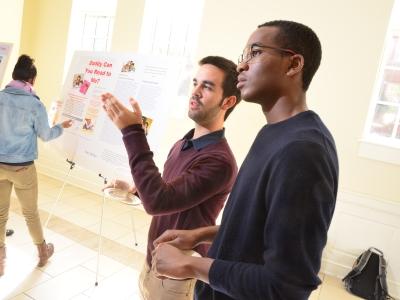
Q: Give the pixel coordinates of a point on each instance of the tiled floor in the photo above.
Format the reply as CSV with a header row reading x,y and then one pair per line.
x,y
74,228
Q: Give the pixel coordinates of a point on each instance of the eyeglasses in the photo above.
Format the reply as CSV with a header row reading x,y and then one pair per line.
x,y
254,50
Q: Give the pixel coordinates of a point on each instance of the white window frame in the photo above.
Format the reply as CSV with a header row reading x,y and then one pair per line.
x,y
80,9
97,35
171,28
372,146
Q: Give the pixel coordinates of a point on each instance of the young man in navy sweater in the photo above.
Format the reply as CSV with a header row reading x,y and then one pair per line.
x,y
198,174
275,222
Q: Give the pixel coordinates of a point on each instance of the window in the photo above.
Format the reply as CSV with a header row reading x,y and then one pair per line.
x,y
171,28
90,27
382,129
383,123
96,32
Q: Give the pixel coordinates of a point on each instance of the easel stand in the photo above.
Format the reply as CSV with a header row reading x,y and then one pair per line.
x,y
133,228
100,230
100,234
60,193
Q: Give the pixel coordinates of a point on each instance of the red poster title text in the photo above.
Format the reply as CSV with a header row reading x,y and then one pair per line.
x,y
98,70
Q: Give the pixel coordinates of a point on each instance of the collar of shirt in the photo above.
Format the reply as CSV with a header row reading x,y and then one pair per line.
x,y
202,141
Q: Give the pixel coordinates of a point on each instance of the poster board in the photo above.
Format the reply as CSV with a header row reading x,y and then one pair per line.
x,y
94,142
5,52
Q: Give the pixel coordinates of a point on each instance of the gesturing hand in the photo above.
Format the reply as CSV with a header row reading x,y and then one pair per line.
x,y
119,114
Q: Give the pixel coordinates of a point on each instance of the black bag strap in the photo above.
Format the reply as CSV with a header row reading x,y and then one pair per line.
x,y
359,265
376,250
382,277
382,273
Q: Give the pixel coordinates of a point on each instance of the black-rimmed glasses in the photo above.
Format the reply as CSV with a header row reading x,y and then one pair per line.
x,y
254,50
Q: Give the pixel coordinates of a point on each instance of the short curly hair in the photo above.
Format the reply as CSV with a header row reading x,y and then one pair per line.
x,y
302,40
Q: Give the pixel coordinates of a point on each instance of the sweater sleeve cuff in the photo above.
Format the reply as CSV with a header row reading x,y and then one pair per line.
x,y
217,273
59,127
131,128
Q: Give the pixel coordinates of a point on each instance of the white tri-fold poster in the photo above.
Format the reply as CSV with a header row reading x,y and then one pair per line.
x,y
93,141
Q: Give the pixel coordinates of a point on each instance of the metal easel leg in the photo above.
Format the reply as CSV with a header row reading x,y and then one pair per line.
x,y
60,193
100,232
133,227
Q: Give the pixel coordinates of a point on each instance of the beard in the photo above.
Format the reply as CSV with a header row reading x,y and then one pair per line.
x,y
203,115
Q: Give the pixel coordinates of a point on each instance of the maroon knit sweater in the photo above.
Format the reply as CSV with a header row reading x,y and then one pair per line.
x,y
192,189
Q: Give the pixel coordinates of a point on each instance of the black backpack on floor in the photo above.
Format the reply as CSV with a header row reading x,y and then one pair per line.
x,y
367,279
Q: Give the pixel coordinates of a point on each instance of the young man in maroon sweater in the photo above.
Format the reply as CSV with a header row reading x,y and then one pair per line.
x,y
198,174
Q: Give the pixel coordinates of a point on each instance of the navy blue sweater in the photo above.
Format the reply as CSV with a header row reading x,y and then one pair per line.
x,y
275,223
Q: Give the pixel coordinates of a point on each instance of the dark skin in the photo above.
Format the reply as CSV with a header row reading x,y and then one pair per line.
x,y
272,78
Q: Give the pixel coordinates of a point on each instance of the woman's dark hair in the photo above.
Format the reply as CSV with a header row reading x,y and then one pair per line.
x,y
24,69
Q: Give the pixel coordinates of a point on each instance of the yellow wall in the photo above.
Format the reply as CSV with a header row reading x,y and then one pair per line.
x,y
10,31
352,35
44,37
351,32
127,25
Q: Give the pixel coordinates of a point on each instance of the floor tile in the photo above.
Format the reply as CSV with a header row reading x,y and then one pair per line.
x,y
81,218
21,273
140,218
332,289
67,259
129,241
22,297
119,286
105,265
58,209
110,229
84,297
65,286
74,228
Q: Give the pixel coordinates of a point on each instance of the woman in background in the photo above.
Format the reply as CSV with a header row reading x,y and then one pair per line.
x,y
23,118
